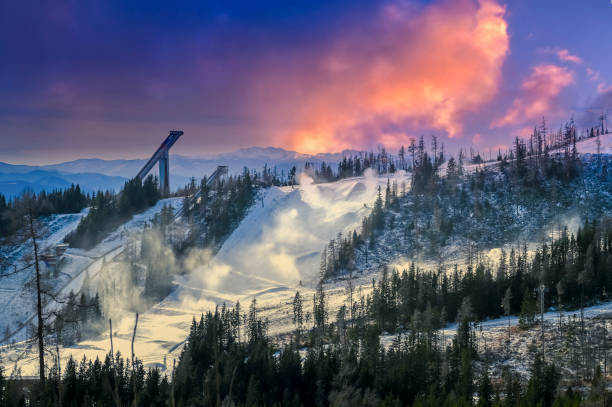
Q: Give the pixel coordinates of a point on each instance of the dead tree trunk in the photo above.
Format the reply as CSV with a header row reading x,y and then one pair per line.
x,y
134,338
39,310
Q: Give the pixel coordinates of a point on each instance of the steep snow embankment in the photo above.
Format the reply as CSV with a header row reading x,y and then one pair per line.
x,y
274,249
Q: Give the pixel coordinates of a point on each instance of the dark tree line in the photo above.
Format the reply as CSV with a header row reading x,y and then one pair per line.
x,y
69,200
112,382
576,269
109,210
228,359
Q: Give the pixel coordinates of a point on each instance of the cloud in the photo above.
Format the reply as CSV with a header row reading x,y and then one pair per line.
x,y
603,88
564,55
403,71
603,101
538,95
592,74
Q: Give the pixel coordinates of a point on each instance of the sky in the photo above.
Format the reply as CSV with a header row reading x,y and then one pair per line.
x,y
110,78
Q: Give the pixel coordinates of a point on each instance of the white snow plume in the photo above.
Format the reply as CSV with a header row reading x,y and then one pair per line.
x,y
280,241
277,246
120,282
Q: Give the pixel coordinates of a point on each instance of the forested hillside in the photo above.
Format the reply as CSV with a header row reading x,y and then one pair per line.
x,y
229,359
455,211
109,210
70,200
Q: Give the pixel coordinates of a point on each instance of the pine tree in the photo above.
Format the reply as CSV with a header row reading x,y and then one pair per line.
x,y
298,314
485,389
319,310
507,306
528,310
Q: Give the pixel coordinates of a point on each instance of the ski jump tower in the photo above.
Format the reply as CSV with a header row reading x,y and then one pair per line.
x,y
161,156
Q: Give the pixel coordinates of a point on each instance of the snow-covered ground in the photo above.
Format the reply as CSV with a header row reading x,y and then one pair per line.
x,y
589,146
17,298
274,251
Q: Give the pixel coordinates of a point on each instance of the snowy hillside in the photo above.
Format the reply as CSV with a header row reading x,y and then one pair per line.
x,y
274,249
16,299
277,248
16,293
589,146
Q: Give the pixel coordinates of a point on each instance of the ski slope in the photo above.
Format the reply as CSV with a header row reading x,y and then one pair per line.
x,y
16,294
275,250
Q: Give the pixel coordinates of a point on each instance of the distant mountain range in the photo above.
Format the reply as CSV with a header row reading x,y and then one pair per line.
x,y
36,180
93,174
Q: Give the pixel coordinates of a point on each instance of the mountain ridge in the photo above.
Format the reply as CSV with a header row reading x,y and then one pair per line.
x,y
97,173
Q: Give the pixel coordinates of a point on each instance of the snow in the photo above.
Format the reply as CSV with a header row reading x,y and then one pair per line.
x,y
17,300
589,146
15,304
274,251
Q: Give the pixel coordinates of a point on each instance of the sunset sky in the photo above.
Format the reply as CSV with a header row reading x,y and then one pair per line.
x,y
109,78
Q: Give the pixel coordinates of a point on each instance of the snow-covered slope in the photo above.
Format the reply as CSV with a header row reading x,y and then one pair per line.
x,y
16,293
589,146
16,299
275,249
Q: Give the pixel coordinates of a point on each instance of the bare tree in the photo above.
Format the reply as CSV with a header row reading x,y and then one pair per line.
x,y
31,232
29,235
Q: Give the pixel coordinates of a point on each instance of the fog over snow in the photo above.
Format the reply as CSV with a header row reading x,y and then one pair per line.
x,y
276,248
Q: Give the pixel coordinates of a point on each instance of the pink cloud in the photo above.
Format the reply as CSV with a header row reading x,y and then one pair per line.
x,y
564,55
592,75
538,95
603,88
406,67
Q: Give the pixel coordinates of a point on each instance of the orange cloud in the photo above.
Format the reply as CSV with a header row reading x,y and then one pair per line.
x,y
538,93
564,55
407,69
